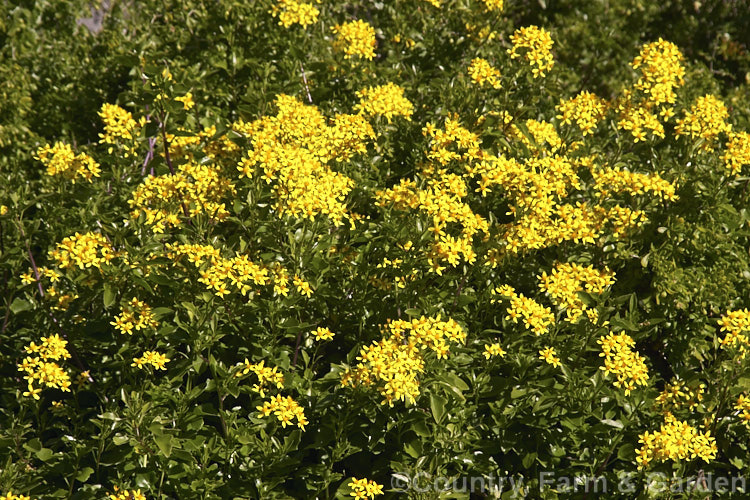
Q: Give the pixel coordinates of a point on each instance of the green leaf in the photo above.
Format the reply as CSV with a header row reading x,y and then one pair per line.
x,y
44,454
109,295
18,305
626,452
437,403
164,442
120,440
33,445
84,474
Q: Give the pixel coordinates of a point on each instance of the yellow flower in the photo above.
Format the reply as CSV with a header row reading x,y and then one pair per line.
x,y
285,409
135,315
493,5
737,152
493,350
355,38
323,334
661,71
186,100
620,360
585,109
364,488
61,160
384,100
393,364
119,128
549,355
535,44
292,12
567,280
705,120
126,495
675,440
482,72
152,358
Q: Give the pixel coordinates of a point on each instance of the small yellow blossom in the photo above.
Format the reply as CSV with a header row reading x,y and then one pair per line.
x,y
355,38
61,160
292,12
152,358
364,488
549,355
323,334
186,100
483,73
620,360
384,100
535,45
493,350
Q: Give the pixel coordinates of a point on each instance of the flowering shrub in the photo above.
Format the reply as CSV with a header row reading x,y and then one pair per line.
x,y
286,249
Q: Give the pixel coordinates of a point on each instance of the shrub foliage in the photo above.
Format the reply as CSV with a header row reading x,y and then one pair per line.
x,y
299,249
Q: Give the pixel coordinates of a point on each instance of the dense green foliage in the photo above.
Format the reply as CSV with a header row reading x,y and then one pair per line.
x,y
369,257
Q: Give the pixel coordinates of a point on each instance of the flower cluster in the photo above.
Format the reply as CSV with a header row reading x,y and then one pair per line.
x,y
363,488
675,440
292,12
294,148
11,496
384,100
152,358
40,368
393,364
285,409
735,323
322,333
126,494
61,160
540,137
535,44
266,376
567,280
678,394
83,250
186,100
483,73
59,301
453,143
585,109
137,315
493,5
661,71
619,360
549,355
639,121
535,188
536,317
44,272
355,38
219,274
743,406
737,152
119,127
616,180
492,350
705,120
194,189
653,95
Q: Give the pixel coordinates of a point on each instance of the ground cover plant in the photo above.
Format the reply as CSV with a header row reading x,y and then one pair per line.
x,y
411,248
